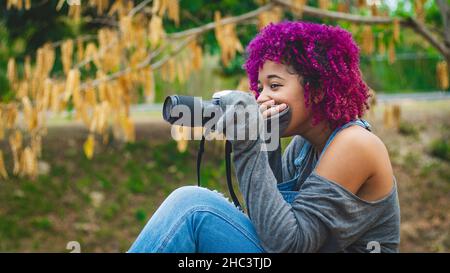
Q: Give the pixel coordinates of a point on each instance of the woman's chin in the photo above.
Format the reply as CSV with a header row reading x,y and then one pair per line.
x,y
288,133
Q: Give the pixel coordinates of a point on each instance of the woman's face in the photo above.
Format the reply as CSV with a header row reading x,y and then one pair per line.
x,y
278,86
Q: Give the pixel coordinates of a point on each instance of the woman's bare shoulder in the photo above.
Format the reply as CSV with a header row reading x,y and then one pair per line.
x,y
357,157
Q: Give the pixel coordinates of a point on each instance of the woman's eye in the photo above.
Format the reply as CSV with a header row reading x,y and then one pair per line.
x,y
272,86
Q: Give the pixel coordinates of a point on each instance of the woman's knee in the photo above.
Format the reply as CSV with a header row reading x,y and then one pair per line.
x,y
190,196
186,191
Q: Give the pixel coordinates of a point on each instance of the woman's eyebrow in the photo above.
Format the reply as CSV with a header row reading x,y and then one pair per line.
x,y
272,76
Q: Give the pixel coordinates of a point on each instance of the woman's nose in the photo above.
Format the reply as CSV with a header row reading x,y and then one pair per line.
x,y
263,97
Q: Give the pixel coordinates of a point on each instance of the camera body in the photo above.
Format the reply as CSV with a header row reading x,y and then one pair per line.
x,y
201,111
235,116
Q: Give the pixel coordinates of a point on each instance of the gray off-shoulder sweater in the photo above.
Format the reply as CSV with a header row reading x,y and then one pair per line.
x,y
294,209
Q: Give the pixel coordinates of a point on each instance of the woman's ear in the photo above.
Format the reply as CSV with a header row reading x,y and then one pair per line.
x,y
316,89
317,99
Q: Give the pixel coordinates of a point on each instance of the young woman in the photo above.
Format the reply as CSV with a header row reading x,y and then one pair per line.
x,y
333,190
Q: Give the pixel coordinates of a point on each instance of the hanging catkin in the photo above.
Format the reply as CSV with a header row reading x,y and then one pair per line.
x,y
391,51
174,11
197,55
72,83
396,30
298,7
272,16
226,37
149,84
442,75
80,50
66,55
3,172
27,68
11,72
324,4
15,142
155,30
367,40
381,45
419,10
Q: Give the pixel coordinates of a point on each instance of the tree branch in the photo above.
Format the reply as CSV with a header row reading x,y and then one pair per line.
x,y
422,30
141,65
224,21
444,7
103,21
139,7
131,13
334,15
173,53
412,23
84,38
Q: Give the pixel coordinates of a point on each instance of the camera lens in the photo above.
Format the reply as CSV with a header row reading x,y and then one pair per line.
x,y
169,103
189,103
173,101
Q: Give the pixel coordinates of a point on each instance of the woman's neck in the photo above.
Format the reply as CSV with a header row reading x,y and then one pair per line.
x,y
317,135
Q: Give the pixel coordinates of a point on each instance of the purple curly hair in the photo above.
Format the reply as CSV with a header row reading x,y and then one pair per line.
x,y
325,56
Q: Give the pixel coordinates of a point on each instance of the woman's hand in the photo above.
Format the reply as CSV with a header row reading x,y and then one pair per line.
x,y
269,108
252,125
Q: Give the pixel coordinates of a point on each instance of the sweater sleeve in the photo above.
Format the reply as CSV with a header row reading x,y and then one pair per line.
x,y
281,226
283,166
276,164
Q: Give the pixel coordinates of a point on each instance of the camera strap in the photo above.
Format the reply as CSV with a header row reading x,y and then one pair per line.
x,y
228,151
201,149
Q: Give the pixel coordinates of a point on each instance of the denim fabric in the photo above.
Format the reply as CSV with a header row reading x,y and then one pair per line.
x,y
196,219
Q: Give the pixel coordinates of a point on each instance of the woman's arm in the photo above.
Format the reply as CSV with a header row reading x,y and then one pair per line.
x,y
275,163
283,167
281,227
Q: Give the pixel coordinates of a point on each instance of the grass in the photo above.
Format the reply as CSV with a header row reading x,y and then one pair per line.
x,y
133,178
408,129
441,148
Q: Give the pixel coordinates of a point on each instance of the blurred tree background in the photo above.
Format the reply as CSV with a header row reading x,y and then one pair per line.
x,y
23,31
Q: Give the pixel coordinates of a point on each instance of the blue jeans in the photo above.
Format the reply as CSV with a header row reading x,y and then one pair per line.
x,y
196,219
